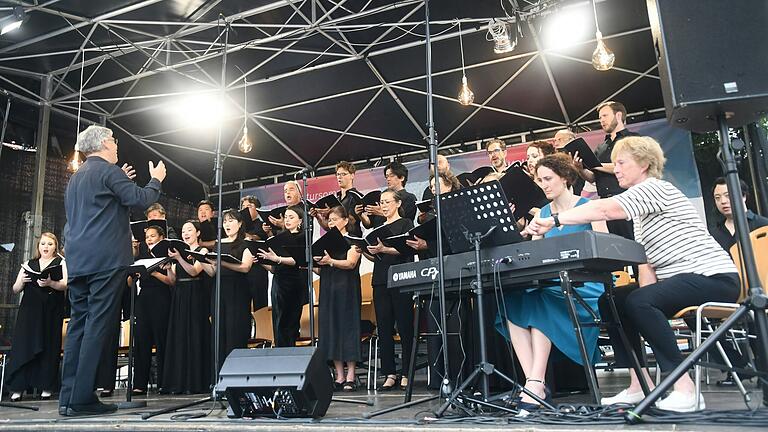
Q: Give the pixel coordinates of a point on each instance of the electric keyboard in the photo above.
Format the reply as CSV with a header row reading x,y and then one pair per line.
x,y
584,251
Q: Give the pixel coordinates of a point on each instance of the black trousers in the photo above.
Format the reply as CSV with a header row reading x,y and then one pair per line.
x,y
153,305
393,308
287,295
645,311
95,301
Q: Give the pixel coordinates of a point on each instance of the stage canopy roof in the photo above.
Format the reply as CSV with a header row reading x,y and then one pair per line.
x,y
324,80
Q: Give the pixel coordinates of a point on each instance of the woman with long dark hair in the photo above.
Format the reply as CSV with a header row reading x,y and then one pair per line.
x,y
289,284
234,313
187,365
34,358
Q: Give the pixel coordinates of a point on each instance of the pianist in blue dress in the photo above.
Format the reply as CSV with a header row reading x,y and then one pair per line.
x,y
537,318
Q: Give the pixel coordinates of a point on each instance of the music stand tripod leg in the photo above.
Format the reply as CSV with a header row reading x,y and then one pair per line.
x,y
128,404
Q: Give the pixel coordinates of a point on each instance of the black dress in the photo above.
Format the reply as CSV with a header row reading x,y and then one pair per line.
x,y
235,312
153,303
187,365
339,314
35,350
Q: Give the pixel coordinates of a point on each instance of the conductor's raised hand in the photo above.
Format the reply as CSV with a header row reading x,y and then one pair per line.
x,y
157,171
129,171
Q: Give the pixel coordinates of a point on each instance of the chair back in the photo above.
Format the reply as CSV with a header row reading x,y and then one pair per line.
x,y
759,240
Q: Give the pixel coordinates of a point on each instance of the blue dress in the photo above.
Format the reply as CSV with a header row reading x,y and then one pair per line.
x,y
546,310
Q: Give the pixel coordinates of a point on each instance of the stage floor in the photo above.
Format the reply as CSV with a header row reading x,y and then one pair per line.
x,y
349,417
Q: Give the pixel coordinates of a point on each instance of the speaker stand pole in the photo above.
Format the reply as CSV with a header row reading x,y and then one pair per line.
x,y
755,302
217,296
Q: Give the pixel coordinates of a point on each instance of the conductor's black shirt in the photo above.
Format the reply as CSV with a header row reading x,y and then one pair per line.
x,y
98,199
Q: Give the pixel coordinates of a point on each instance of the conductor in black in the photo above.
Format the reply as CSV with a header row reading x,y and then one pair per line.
x,y
97,201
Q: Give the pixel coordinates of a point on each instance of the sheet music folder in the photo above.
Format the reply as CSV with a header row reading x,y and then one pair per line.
x,y
586,154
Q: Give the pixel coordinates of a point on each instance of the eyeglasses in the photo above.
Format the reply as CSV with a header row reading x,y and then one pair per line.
x,y
491,152
341,174
114,139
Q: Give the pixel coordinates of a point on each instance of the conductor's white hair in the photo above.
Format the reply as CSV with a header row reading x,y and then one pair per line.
x,y
91,139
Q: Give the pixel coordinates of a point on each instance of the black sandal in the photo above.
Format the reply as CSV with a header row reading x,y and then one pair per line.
x,y
349,386
338,386
385,387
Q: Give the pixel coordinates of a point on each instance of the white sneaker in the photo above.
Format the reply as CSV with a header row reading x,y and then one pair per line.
x,y
681,402
624,397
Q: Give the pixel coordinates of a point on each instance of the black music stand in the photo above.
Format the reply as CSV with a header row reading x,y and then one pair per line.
x,y
480,211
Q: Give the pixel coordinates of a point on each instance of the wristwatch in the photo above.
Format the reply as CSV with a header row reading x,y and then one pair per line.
x,y
556,218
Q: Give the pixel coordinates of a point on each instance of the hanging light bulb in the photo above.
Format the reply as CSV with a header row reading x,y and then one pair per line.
x,y
466,97
75,163
602,57
245,145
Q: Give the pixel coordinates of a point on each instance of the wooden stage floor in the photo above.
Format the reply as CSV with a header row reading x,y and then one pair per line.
x,y
343,417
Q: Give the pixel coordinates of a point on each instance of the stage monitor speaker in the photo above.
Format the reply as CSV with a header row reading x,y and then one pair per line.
x,y
277,382
712,60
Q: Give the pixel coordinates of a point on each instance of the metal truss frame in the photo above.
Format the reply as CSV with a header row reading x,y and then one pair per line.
x,y
198,44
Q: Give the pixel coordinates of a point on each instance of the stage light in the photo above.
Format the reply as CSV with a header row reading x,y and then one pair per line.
x,y
466,97
75,163
567,27
602,57
245,145
14,21
498,33
200,111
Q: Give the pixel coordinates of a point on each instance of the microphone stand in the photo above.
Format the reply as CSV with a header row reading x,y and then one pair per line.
x,y
219,226
445,388
308,228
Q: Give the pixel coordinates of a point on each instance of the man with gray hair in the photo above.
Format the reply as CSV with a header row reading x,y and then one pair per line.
x,y
98,249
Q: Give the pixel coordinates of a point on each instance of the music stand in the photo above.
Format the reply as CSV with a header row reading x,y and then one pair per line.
x,y
477,213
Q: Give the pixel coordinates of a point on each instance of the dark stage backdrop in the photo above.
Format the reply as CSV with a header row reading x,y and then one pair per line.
x,y
17,172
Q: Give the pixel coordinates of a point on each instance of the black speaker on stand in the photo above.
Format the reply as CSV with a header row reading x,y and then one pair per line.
x,y
712,60
276,383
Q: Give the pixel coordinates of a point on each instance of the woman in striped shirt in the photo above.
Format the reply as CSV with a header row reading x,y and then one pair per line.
x,y
685,266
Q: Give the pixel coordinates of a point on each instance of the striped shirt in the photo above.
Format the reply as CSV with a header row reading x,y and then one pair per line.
x,y
675,238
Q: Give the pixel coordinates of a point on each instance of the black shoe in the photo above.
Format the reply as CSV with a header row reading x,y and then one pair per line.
x,y
106,393
62,410
338,386
95,408
727,381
